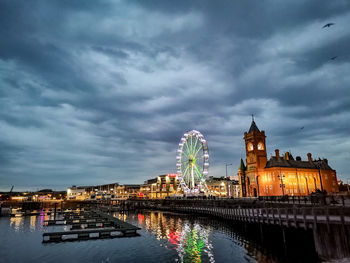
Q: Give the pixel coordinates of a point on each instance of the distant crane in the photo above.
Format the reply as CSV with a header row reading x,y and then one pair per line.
x,y
11,189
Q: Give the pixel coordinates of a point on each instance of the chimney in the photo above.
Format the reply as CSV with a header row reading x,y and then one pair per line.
x,y
286,156
309,157
277,152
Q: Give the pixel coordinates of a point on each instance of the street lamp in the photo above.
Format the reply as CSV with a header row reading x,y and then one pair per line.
x,y
226,168
257,184
307,185
296,173
282,185
319,174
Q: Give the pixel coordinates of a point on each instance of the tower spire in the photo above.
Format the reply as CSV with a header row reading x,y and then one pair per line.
x,y
253,126
241,165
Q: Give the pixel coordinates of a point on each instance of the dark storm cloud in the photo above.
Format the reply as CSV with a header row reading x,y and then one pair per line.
x,y
100,91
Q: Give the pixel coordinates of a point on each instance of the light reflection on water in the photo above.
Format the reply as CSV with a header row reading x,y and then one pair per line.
x,y
190,240
165,237
16,222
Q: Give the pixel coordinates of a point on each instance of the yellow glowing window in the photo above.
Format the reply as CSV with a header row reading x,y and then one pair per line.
x,y
250,147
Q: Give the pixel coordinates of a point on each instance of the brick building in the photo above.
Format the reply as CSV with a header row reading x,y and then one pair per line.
x,y
281,174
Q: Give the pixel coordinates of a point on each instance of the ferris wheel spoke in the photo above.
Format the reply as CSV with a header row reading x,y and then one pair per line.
x,y
184,173
197,151
199,173
195,145
186,155
188,149
188,176
184,177
191,145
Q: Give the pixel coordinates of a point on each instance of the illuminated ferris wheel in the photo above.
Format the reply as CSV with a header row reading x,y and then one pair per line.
x,y
192,162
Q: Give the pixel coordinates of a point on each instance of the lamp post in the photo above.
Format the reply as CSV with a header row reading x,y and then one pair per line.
x,y
257,184
282,185
307,185
319,174
296,173
226,168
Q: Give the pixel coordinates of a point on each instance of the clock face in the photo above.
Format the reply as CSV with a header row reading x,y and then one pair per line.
x,y
260,146
250,147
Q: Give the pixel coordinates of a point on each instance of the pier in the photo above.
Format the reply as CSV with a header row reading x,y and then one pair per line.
x,y
329,224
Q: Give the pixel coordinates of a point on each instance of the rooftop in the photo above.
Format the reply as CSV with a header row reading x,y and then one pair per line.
x,y
298,163
253,127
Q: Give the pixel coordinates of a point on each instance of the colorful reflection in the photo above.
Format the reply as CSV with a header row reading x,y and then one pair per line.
x,y
141,218
35,221
32,223
17,222
194,244
190,240
174,237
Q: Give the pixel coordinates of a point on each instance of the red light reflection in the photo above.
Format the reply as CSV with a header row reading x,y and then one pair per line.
x,y
174,237
141,218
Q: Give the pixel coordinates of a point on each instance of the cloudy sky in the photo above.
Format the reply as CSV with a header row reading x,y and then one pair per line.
x,y
94,92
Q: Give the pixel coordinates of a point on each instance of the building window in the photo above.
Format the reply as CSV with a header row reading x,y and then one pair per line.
x,y
250,146
260,146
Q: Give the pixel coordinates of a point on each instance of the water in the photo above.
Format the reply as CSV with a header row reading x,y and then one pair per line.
x,y
164,237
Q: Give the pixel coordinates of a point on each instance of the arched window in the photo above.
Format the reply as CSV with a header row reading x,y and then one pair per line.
x,y
260,146
250,146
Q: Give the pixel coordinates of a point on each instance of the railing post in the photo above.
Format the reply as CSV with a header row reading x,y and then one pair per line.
x,y
327,218
287,216
304,218
315,218
279,216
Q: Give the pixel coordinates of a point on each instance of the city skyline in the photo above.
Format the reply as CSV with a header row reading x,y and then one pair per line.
x,y
100,92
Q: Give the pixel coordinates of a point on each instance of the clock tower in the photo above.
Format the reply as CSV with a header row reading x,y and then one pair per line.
x,y
255,147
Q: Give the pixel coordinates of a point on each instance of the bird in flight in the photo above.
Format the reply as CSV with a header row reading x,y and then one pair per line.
x,y
328,25
333,58
302,128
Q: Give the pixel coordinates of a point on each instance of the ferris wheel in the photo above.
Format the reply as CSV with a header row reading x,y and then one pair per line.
x,y
192,162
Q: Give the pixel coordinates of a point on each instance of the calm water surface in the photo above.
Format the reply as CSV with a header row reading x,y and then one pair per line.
x,y
164,237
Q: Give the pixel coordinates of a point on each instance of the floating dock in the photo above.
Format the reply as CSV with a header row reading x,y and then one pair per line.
x,y
90,225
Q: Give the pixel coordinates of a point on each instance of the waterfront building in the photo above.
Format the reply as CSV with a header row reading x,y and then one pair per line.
x,y
223,187
149,188
127,191
78,193
104,191
162,186
281,174
100,190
